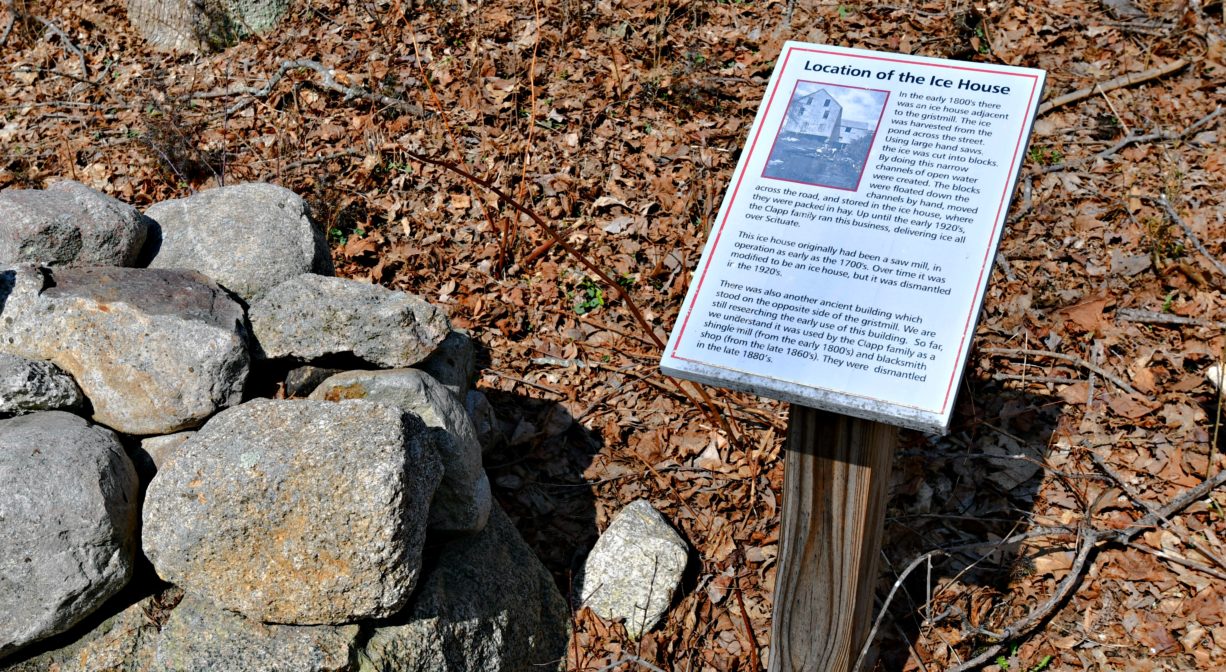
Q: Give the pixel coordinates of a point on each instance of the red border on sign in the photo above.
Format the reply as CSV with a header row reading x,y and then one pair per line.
x,y
997,222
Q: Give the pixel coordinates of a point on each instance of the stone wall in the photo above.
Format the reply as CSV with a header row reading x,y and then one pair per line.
x,y
160,515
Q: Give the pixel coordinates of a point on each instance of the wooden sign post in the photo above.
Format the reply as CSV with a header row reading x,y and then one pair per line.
x,y
845,274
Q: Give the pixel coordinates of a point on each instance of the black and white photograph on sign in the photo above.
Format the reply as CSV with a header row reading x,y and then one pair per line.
x,y
826,135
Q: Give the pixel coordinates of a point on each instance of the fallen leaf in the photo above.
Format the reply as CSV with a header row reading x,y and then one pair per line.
x,y
1131,406
1088,314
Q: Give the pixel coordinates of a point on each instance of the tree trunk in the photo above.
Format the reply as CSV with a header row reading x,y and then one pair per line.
x,y
196,26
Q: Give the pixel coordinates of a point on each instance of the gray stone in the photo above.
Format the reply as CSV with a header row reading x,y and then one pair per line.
x,y
68,510
302,381
199,637
488,605
28,385
312,316
485,421
462,503
123,642
297,511
247,237
634,568
453,363
154,350
161,448
68,224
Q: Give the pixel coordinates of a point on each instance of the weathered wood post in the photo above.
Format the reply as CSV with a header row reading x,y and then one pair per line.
x,y
845,273
835,480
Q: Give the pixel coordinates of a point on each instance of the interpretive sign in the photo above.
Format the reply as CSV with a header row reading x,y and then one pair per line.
x,y
848,262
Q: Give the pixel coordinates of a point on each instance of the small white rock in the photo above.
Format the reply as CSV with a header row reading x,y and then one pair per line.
x,y
1214,374
634,568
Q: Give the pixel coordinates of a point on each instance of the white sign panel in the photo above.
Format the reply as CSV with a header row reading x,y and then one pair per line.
x,y
848,262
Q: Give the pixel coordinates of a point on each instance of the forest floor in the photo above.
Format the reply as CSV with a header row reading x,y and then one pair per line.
x,y
1084,406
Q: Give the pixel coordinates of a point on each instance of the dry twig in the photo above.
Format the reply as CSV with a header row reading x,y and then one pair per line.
x,y
1073,359
1135,139
1155,317
328,81
1150,508
1112,84
1187,231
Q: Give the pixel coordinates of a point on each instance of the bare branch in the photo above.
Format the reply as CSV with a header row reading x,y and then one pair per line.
x,y
1176,505
68,44
1019,352
328,81
1135,139
1109,85
1155,317
1086,542
1153,510
1187,231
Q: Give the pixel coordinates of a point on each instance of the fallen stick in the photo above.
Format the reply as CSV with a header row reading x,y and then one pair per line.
x,y
1133,140
1153,510
1112,84
328,82
1155,317
1020,352
1175,506
1088,539
1187,231
68,44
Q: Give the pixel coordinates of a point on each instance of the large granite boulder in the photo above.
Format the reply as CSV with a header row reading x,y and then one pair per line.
x,y
28,385
154,350
199,637
312,316
297,511
488,605
68,224
68,513
634,568
462,503
247,237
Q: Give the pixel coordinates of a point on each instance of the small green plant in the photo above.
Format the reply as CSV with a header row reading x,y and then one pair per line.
x,y
1045,156
339,236
1168,303
590,297
1003,662
844,11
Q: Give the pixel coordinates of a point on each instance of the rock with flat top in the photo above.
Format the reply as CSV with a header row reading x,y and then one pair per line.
x,y
313,316
154,350
462,502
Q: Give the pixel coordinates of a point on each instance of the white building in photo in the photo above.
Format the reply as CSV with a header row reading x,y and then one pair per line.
x,y
816,114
